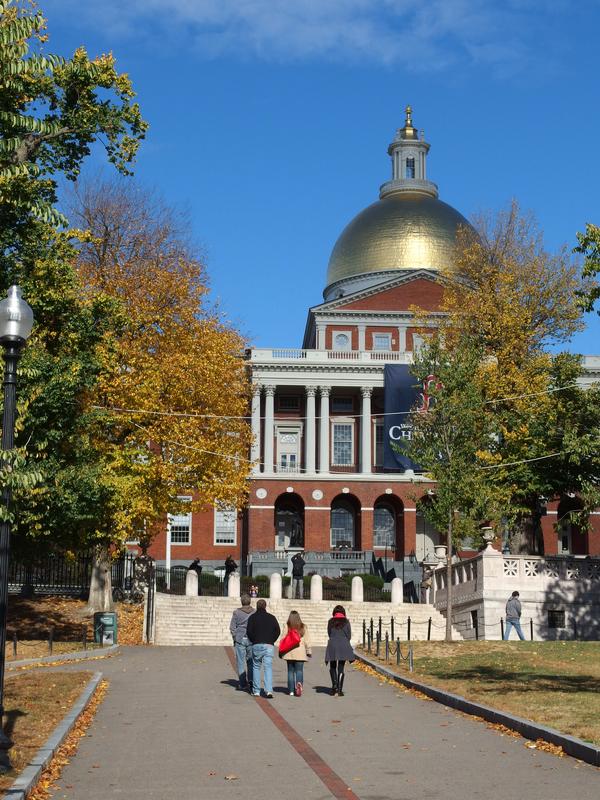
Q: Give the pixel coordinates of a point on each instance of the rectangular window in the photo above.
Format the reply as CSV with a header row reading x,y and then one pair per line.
x,y
288,402
379,444
382,341
288,449
556,618
225,525
410,168
343,451
343,404
181,525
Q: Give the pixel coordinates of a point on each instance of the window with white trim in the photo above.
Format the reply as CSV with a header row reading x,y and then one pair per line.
x,y
181,524
384,526
410,168
382,341
225,526
342,340
288,449
343,444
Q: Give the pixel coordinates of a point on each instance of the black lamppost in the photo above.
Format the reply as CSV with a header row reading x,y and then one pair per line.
x,y
16,321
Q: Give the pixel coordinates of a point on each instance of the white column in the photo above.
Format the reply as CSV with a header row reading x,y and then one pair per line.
x,y
310,441
402,338
357,595
275,585
316,588
365,430
191,583
320,337
255,448
397,591
361,337
269,423
324,430
168,551
233,586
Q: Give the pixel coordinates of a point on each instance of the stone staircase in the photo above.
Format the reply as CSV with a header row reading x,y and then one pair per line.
x,y
181,620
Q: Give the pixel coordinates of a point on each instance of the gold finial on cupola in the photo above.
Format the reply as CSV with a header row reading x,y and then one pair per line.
x,y
408,132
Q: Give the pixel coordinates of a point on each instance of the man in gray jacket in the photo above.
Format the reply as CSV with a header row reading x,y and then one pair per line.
x,y
513,616
243,648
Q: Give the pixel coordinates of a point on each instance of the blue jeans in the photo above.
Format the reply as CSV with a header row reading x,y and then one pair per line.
x,y
295,674
262,656
243,655
513,623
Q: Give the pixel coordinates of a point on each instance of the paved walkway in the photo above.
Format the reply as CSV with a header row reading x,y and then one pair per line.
x,y
173,726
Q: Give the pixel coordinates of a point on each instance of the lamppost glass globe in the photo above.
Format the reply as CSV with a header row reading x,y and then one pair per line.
x,y
16,317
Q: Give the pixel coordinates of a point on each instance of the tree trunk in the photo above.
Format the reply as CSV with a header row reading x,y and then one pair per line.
x,y
525,538
100,598
449,582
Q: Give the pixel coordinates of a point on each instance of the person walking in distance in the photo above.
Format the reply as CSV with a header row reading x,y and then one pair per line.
x,y
263,631
298,656
241,643
230,566
339,650
513,616
298,577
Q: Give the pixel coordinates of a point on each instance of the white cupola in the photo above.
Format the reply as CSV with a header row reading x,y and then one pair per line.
x,y
408,152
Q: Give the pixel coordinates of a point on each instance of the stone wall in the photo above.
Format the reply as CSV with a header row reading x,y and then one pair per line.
x,y
560,595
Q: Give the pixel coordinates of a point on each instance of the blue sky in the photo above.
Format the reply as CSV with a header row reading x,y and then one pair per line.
x,y
270,121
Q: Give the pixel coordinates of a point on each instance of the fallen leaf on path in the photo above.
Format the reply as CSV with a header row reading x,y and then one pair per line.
x,y
231,777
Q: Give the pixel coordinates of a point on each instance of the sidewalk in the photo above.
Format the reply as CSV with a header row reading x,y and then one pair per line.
x,y
173,726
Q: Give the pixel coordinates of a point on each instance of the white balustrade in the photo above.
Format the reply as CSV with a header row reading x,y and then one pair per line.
x,y
275,585
233,585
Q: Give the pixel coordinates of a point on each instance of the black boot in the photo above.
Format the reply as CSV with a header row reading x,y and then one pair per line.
x,y
341,685
334,682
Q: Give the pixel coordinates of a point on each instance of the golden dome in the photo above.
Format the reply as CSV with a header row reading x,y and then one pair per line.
x,y
404,230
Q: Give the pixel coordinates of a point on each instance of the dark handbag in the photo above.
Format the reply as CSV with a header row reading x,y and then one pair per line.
x,y
289,642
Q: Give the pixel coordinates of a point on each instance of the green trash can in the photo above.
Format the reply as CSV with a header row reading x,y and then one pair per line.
x,y
105,627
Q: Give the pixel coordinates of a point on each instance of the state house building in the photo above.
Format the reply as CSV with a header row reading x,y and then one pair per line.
x,y
319,483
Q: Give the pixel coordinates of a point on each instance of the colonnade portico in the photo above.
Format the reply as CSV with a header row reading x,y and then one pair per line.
x,y
317,454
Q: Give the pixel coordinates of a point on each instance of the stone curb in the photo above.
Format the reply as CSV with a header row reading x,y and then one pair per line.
x,y
585,751
31,774
79,655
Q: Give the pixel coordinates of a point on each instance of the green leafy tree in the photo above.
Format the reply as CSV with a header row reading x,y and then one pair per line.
x,y
53,111
450,436
589,247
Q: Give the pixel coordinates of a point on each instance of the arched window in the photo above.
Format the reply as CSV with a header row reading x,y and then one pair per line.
x,y
427,537
342,524
384,526
410,168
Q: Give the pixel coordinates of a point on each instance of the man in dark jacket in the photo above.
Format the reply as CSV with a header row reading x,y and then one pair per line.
x,y
241,643
263,631
513,616
298,577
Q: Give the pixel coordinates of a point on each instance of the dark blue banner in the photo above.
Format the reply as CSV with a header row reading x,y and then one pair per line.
x,y
401,393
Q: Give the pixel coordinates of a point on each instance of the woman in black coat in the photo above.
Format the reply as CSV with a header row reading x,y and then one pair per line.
x,y
339,650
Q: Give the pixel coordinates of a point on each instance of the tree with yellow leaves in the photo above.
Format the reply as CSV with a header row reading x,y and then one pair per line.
x,y
515,298
175,390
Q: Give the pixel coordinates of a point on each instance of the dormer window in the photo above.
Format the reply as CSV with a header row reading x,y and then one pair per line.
x,y
410,168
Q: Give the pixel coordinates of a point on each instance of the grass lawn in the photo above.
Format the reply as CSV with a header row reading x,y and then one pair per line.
x,y
555,683
35,702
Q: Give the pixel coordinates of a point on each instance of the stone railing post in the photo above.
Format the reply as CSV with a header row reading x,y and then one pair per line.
x,y
397,591
191,583
357,595
233,587
275,586
316,588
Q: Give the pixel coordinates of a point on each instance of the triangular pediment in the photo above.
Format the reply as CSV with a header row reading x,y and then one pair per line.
x,y
415,287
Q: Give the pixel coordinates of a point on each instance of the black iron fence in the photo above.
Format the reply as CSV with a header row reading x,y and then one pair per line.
x,y
59,573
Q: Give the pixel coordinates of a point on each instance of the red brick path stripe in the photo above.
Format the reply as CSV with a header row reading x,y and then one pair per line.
x,y
338,788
